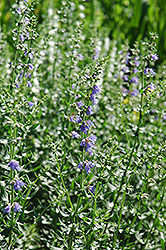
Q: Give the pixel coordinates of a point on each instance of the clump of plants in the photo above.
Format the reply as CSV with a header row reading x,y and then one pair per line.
x,y
82,136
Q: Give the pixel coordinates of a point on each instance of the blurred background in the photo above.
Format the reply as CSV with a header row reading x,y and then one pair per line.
x,y
117,19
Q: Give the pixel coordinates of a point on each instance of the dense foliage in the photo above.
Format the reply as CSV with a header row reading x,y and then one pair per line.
x,y
82,126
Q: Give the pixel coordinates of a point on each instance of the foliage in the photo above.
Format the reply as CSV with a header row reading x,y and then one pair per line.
x,y
82,133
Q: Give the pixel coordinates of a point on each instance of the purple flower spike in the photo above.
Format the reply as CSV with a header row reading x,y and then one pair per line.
x,y
80,165
96,54
7,209
17,207
14,165
18,184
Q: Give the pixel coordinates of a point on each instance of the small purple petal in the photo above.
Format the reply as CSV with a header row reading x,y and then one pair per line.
x,y
17,207
7,209
31,104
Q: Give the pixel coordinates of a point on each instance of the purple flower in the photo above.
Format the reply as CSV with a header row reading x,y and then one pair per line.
x,y
86,165
135,70
78,119
75,118
134,92
7,209
164,117
120,52
17,207
137,63
96,54
75,134
148,71
89,110
96,89
89,143
134,79
83,143
152,71
31,104
18,184
92,189
79,104
125,69
19,10
30,55
14,165
80,165
155,57
80,55
86,126
22,37
93,138
125,77
31,67
94,99
29,84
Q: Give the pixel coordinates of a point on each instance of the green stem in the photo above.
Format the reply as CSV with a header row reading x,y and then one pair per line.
x,y
12,175
159,207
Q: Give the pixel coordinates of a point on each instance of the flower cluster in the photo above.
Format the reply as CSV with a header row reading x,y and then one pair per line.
x,y
89,143
86,165
17,184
